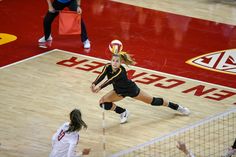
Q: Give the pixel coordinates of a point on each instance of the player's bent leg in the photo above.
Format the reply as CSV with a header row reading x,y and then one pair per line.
x,y
106,102
110,97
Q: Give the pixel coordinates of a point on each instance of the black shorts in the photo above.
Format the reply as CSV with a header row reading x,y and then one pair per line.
x,y
131,92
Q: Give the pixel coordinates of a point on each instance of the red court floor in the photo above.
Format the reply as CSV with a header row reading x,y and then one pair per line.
x,y
160,41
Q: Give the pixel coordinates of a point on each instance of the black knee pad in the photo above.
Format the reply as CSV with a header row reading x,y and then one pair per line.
x,y
157,101
107,105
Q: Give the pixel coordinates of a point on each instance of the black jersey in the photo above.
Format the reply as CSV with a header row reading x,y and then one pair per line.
x,y
121,84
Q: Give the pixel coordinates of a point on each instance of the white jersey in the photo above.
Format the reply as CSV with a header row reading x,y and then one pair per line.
x,y
64,143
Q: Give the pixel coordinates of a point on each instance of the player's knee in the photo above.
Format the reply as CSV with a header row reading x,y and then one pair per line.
x,y
157,101
106,105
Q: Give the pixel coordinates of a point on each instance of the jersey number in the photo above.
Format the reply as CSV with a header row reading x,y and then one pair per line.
x,y
61,135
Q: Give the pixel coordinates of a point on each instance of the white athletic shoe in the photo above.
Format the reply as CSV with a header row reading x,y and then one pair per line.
x,y
45,44
87,44
42,40
183,110
124,116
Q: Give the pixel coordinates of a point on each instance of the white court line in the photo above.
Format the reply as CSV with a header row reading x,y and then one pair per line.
x,y
153,71
23,60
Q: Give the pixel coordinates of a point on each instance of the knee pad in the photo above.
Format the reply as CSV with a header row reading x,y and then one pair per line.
x,y
107,105
157,101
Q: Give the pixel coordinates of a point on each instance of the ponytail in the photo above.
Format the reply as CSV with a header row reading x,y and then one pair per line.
x,y
76,122
127,58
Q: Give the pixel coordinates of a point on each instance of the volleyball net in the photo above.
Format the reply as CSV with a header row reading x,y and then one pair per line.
x,y
209,137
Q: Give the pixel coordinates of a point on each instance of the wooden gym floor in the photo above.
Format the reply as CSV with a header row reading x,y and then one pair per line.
x,y
39,87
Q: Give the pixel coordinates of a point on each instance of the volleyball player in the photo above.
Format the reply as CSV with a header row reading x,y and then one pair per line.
x,y
66,138
123,87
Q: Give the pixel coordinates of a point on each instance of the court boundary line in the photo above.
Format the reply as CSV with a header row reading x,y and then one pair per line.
x,y
26,59
145,69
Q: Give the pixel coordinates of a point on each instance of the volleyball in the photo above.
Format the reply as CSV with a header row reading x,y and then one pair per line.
x,y
115,46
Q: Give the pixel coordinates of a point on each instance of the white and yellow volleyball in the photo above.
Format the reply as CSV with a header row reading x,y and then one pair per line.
x,y
115,46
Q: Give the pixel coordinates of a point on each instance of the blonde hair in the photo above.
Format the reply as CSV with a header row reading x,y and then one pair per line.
x,y
124,56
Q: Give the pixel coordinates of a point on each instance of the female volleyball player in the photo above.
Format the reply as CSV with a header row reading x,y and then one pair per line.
x,y
66,138
123,87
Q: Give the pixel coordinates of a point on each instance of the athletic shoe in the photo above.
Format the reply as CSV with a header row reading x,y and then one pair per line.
x,y
87,44
42,40
45,44
183,110
124,116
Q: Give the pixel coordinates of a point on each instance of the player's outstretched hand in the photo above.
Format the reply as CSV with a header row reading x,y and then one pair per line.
x,y
93,88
